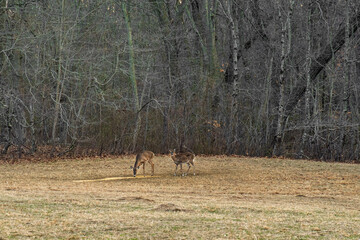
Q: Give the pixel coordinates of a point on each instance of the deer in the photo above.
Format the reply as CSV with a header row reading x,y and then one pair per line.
x,y
141,159
180,158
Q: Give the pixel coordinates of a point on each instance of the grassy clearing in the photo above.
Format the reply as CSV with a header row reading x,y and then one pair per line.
x,y
230,198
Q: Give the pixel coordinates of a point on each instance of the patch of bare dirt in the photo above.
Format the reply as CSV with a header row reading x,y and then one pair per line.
x,y
170,207
132,199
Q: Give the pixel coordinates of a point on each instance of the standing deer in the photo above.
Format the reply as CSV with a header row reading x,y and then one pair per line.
x,y
141,159
180,158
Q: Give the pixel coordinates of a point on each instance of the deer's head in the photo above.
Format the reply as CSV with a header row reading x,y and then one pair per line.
x,y
134,169
172,153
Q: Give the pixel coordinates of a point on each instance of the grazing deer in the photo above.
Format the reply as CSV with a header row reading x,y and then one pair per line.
x,y
141,159
180,158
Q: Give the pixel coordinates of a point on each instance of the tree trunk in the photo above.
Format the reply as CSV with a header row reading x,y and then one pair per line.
x,y
125,6
211,30
285,51
266,110
60,80
305,136
346,88
228,11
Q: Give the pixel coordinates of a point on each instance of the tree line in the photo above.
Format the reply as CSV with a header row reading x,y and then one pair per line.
x,y
252,77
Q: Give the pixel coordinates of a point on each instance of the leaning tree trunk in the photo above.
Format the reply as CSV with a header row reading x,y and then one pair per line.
x,y
321,61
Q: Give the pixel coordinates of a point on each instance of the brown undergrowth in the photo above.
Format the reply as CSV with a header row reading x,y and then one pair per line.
x,y
229,198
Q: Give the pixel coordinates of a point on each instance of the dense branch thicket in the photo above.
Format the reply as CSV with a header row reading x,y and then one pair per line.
x,y
253,77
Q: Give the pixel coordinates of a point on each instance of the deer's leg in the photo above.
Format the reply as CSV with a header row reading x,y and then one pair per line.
x,y
144,169
182,172
152,167
188,168
193,167
175,169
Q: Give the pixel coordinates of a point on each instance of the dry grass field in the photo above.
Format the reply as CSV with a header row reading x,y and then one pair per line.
x,y
230,198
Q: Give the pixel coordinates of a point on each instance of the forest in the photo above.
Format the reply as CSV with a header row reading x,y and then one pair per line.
x,y
251,77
